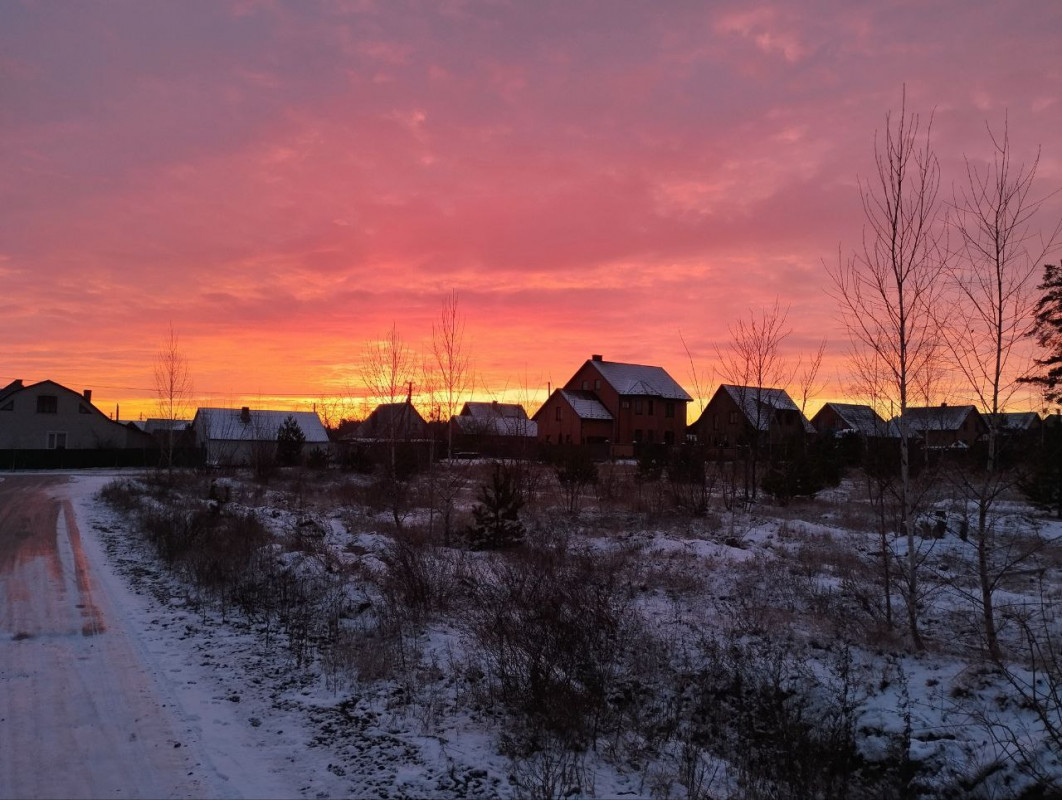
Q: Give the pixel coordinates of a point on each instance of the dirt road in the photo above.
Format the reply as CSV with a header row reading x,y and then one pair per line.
x,y
79,714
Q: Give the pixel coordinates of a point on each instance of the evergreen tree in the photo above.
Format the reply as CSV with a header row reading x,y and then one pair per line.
x,y
290,440
497,514
1047,330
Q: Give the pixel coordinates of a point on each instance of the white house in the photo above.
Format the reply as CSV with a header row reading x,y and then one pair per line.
x,y
48,416
240,436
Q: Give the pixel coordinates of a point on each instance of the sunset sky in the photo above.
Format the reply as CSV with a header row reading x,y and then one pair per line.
x,y
282,181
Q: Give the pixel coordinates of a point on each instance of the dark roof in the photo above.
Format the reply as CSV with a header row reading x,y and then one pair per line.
x,y
390,420
640,379
11,388
490,410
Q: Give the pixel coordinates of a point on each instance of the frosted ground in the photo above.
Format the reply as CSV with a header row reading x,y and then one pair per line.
x,y
406,691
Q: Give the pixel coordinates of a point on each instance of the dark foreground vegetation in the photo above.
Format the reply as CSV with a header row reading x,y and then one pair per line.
x,y
639,627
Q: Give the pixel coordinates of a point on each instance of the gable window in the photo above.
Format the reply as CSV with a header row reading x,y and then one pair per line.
x,y
733,418
557,414
47,404
57,440
586,385
638,406
715,422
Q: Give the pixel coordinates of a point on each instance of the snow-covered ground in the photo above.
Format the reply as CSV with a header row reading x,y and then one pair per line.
x,y
175,695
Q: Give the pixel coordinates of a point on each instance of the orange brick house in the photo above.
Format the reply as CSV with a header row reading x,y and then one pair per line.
x,y
614,403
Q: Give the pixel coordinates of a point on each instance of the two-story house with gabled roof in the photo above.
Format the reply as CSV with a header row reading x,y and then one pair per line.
x,y
615,403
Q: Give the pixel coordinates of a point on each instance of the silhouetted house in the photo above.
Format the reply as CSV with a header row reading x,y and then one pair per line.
x,y
1016,424
241,436
48,416
610,402
493,429
851,420
743,415
945,426
393,422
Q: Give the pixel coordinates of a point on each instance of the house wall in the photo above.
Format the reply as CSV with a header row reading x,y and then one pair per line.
x,y
570,428
721,424
828,420
85,426
635,418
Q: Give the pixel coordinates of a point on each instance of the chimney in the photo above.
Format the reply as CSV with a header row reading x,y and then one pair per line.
x,y
245,415
596,357
87,394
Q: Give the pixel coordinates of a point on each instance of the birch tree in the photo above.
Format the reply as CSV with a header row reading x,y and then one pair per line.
x,y
173,391
993,277
888,289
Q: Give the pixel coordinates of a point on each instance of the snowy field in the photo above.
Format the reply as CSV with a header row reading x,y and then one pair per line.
x,y
346,645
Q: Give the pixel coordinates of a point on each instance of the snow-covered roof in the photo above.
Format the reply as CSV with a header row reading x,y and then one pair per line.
x,y
864,420
640,379
585,404
232,424
1014,420
937,418
759,403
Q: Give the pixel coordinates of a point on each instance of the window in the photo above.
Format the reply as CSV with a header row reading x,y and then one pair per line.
x,y
597,384
82,410
669,410
557,414
715,422
637,434
586,385
638,406
625,404
652,436
669,437
733,418
57,440
47,404
649,409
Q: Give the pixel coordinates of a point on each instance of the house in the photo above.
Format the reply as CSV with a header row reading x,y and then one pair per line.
x,y
851,419
240,436
493,428
745,415
49,416
393,422
614,403
945,426
1015,424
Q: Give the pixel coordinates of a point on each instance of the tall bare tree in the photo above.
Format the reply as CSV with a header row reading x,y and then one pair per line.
x,y
452,361
889,288
993,278
173,391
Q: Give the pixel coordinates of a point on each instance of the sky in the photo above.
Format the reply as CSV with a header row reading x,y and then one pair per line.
x,y
283,182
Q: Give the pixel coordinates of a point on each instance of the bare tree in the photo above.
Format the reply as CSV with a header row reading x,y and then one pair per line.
x,y
754,362
452,361
387,371
993,278
173,391
999,254
889,288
